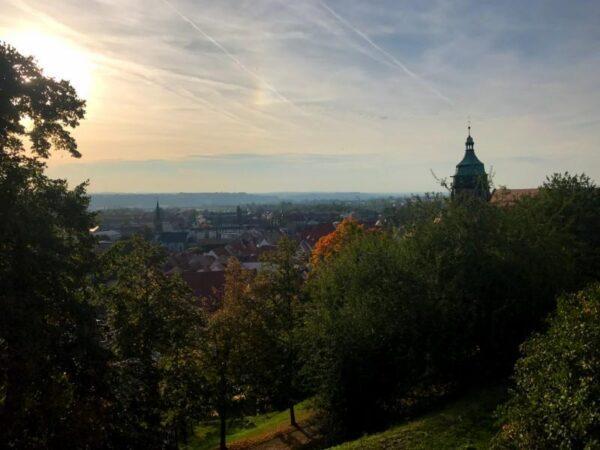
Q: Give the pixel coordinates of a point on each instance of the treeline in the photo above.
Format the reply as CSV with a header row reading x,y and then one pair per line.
x,y
443,299
109,352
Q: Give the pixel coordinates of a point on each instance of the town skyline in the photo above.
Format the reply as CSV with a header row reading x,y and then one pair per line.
x,y
317,96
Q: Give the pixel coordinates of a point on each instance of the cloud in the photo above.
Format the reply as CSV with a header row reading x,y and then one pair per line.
x,y
526,73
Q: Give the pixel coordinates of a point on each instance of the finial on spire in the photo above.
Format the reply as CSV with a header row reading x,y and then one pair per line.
x,y
469,125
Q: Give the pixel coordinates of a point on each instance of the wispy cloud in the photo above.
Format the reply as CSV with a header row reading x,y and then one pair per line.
x,y
232,57
526,72
387,55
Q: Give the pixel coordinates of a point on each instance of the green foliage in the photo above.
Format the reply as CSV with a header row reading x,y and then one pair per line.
x,y
556,401
225,357
52,106
414,211
491,274
52,368
154,329
571,203
251,356
397,318
363,333
278,288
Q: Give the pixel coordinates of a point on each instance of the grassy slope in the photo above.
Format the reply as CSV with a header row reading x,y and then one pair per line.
x,y
465,424
206,436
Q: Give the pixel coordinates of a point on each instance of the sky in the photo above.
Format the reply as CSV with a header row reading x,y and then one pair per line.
x,y
318,95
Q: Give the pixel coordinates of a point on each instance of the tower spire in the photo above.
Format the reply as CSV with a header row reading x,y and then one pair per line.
x,y
157,218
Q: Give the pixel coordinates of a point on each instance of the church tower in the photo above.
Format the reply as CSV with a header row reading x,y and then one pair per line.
x,y
157,219
470,177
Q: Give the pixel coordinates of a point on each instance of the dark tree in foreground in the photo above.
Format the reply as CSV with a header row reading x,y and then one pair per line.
x,y
52,106
556,401
279,288
51,365
155,331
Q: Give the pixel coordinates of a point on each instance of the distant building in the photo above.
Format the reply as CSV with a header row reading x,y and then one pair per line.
x,y
175,241
158,228
470,177
508,197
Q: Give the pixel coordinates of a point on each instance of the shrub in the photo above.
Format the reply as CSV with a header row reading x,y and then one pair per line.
x,y
556,401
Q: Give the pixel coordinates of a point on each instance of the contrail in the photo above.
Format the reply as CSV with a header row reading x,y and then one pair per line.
x,y
227,53
388,55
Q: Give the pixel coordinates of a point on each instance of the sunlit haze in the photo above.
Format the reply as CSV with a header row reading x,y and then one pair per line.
x,y
332,95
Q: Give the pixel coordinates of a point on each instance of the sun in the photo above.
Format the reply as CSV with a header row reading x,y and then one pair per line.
x,y
58,57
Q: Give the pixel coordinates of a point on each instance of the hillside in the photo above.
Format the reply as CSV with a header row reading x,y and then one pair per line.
x,y
270,430
465,423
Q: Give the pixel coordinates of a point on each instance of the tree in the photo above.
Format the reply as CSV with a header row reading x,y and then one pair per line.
x,y
154,328
395,318
491,274
279,289
223,356
414,211
52,107
571,204
555,402
364,335
332,243
52,368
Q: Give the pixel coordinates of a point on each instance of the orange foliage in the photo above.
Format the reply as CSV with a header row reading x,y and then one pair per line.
x,y
331,244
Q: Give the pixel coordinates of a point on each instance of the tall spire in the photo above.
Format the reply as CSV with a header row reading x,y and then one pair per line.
x,y
157,218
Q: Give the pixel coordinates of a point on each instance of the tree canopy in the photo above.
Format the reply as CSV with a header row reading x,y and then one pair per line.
x,y
51,106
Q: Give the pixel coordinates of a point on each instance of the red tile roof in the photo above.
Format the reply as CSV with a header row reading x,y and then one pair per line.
x,y
505,196
314,233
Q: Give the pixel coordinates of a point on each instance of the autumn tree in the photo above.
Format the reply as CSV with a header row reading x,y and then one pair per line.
x,y
331,244
224,354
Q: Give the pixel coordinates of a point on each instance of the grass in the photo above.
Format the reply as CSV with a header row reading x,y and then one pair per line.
x,y
206,435
464,424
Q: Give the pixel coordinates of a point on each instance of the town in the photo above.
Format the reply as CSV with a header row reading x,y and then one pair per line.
x,y
201,242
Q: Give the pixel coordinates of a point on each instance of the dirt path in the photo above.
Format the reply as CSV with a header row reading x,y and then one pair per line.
x,y
302,437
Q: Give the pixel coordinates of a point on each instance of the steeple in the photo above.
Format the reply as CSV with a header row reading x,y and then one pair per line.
x,y
470,143
470,177
157,218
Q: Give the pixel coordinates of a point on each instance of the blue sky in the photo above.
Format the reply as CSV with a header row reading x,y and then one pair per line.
x,y
275,95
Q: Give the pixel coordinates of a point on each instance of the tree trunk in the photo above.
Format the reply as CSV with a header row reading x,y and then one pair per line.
x,y
293,416
223,444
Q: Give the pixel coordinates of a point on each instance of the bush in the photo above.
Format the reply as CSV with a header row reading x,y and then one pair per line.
x,y
556,401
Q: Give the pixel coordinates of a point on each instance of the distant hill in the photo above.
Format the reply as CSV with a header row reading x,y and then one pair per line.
x,y
221,199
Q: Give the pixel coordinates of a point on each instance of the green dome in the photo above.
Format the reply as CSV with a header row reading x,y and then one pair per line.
x,y
470,165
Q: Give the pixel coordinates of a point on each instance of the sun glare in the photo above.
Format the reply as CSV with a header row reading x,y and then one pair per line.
x,y
57,57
